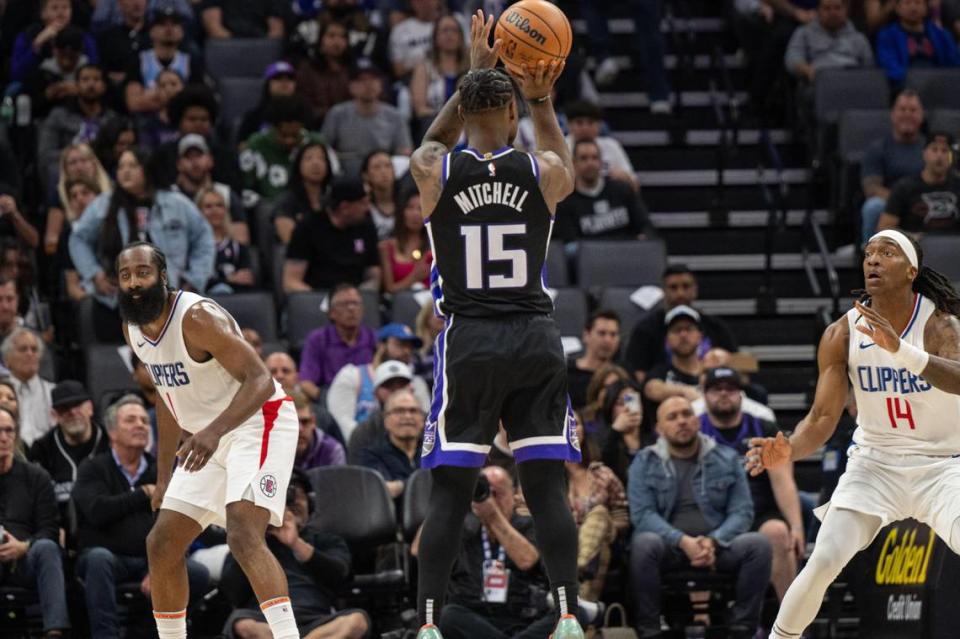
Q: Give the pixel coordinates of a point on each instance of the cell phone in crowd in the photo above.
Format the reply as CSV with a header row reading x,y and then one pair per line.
x,y
631,401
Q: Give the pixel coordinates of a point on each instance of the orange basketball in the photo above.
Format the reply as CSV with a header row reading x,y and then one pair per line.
x,y
533,30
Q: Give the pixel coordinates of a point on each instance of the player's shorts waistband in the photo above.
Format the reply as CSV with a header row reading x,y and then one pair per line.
x,y
896,459
499,319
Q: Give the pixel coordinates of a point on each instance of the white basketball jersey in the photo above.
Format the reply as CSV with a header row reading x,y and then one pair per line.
x,y
195,392
896,410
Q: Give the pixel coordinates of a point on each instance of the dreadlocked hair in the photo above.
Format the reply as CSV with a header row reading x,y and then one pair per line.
x,y
930,283
485,90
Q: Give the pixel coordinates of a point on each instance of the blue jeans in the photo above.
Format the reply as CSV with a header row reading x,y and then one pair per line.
x,y
101,571
870,214
647,39
42,568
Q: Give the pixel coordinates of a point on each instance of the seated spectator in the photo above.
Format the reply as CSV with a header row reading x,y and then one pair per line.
x,y
648,341
81,192
232,272
108,13
112,494
76,438
598,208
314,447
116,136
365,124
283,369
496,532
337,245
137,211
252,337
279,80
680,375
679,524
10,320
355,393
316,565
194,111
599,506
365,35
776,503
156,128
323,77
166,39
722,358
380,180
410,38
35,43
914,40
242,19
306,190
891,158
406,257
927,202
8,400
829,42
14,226
29,552
601,344
122,38
147,392
397,456
345,340
435,78
601,379
22,351
584,120
618,428
266,156
388,378
54,82
79,120
195,172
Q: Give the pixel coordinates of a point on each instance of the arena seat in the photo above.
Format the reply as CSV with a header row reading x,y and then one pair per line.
x,y
241,57
858,129
945,120
570,311
106,371
839,90
617,299
940,253
237,96
304,315
416,497
937,87
602,263
19,608
252,310
556,265
405,308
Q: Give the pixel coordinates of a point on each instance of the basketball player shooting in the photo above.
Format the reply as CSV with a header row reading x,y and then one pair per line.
x,y
235,463
489,213
900,350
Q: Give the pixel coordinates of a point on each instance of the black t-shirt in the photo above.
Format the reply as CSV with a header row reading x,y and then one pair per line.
x,y
117,45
231,257
920,50
648,343
612,213
577,381
245,18
333,255
926,207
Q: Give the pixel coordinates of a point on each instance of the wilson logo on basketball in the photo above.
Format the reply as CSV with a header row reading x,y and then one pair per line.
x,y
523,24
268,485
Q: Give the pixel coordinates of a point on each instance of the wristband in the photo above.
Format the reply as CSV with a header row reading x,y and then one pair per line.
x,y
912,358
540,100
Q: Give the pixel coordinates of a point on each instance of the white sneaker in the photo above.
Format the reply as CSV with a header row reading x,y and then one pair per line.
x,y
607,72
661,107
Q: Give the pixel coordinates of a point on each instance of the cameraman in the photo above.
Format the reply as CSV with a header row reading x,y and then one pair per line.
x,y
497,587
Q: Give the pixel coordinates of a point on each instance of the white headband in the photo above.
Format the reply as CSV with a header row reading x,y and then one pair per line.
x,y
903,242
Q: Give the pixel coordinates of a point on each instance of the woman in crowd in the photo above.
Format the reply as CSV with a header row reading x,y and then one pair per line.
x,y
278,80
603,377
381,182
405,258
135,210
232,270
435,79
81,192
76,161
323,77
310,175
156,128
115,136
621,416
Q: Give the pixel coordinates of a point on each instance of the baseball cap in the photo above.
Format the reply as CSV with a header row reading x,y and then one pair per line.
x,y
721,375
69,392
364,65
391,370
192,141
346,189
399,331
163,12
280,67
682,311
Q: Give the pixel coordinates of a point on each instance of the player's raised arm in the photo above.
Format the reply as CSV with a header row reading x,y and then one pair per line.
x,y
553,154
817,427
207,324
446,128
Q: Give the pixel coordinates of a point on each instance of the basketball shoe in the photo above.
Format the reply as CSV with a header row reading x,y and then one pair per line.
x,y
429,631
567,628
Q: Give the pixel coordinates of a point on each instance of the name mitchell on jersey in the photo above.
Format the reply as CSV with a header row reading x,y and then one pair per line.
x,y
502,193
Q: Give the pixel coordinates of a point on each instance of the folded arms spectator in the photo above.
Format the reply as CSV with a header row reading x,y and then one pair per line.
x,y
930,201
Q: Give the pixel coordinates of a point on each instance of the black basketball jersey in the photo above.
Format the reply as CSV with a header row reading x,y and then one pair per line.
x,y
490,231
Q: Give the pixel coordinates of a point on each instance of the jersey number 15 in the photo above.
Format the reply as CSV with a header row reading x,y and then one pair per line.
x,y
478,258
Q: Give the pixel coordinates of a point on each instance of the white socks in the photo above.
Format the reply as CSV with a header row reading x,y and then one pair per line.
x,y
279,614
171,625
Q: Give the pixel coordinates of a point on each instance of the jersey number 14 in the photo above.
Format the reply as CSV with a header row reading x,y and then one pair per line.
x,y
477,258
899,411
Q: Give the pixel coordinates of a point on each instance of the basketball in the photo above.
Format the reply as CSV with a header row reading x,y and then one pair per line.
x,y
533,30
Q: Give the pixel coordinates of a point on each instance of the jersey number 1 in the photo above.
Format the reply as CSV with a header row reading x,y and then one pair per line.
x,y
474,245
898,409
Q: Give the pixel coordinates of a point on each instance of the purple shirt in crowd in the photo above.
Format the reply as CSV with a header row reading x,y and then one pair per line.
x,y
324,451
325,353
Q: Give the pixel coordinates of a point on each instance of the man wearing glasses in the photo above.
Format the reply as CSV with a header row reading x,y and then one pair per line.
x,y
397,455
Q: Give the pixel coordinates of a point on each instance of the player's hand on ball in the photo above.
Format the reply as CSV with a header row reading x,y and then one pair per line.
x,y
197,450
537,82
482,55
878,328
767,452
